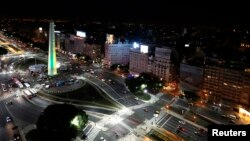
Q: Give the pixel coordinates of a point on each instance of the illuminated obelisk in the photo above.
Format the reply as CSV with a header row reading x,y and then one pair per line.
x,y
52,70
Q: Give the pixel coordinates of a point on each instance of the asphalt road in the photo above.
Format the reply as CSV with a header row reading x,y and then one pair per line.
x,y
171,123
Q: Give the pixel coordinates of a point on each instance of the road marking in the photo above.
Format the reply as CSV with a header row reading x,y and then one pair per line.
x,y
166,121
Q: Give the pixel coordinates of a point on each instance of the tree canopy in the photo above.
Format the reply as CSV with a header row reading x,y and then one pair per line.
x,y
59,122
144,81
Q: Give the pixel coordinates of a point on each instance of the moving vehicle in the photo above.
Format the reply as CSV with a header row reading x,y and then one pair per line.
x,y
27,93
8,119
18,83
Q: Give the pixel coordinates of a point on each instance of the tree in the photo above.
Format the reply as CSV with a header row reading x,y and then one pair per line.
x,y
144,81
59,122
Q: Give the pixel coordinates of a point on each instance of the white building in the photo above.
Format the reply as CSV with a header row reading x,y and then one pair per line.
x,y
159,65
117,54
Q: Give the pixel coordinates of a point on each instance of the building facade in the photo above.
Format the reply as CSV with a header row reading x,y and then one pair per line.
x,y
138,61
161,65
74,44
191,77
117,54
93,51
226,83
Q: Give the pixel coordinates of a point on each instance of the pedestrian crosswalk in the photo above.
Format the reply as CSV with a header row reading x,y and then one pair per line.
x,y
93,132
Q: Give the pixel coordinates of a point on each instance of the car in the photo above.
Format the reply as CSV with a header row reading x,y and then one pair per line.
x,y
8,119
181,128
201,130
198,133
47,86
16,137
182,122
232,121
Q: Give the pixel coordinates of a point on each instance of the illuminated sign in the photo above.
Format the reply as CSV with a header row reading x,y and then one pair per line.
x,y
136,45
186,45
144,49
80,34
57,31
109,38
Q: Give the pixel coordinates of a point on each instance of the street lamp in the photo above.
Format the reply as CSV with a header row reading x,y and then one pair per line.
x,y
194,118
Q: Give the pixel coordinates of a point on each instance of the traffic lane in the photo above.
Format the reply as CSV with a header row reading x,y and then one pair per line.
x,y
24,110
167,97
210,114
3,134
93,118
105,87
116,132
10,131
3,114
182,103
132,121
98,110
146,112
173,123
163,120
39,101
113,92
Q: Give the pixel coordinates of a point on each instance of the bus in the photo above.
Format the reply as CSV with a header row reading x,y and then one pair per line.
x,y
33,91
27,93
18,83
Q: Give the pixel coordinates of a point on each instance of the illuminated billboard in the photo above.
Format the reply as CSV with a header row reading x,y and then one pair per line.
x,y
136,45
109,38
80,34
57,31
144,49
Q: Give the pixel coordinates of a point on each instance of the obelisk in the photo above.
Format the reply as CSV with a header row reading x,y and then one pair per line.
x,y
52,68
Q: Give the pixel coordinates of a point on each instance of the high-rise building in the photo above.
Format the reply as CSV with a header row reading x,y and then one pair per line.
x,y
52,64
93,51
222,82
74,44
116,52
138,61
162,63
191,77
159,65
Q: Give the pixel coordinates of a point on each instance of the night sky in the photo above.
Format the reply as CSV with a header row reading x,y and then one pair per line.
x,y
141,10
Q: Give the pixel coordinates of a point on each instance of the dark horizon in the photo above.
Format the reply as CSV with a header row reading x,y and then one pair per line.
x,y
157,12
